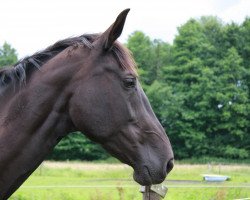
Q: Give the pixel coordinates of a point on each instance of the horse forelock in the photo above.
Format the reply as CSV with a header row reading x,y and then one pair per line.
x,y
124,57
18,73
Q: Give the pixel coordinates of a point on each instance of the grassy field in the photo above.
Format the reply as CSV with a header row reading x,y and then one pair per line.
x,y
100,181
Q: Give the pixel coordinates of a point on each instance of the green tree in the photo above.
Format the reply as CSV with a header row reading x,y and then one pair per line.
x,y
149,55
76,146
8,55
245,34
202,96
188,43
230,107
141,47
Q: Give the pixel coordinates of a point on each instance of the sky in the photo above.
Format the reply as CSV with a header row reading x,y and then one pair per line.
x,y
32,25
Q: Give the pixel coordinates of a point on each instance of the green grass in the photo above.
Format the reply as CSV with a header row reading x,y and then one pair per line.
x,y
99,181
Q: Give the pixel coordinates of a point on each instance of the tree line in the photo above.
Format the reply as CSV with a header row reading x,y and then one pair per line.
x,y
198,86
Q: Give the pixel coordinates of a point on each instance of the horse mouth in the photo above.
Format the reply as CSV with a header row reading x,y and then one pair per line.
x,y
144,177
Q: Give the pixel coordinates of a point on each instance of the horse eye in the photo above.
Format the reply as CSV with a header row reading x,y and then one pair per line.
x,y
5,79
130,82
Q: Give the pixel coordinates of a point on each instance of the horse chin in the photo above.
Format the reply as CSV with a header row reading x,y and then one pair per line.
x,y
143,177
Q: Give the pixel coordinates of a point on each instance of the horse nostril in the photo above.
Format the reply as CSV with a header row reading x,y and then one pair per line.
x,y
170,165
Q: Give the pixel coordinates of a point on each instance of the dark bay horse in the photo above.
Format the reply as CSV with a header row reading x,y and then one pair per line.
x,y
88,84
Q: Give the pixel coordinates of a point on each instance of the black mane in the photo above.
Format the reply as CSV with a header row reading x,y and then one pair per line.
x,y
23,68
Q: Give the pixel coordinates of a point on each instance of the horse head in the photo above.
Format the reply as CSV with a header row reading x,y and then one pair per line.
x,y
109,105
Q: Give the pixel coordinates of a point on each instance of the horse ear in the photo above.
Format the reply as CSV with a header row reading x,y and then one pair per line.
x,y
115,30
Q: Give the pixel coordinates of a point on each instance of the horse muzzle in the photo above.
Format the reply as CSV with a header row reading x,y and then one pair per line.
x,y
148,175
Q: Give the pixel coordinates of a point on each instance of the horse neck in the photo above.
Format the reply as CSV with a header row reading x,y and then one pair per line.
x,y
33,121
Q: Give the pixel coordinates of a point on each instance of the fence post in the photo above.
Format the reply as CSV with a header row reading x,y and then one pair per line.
x,y
153,192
